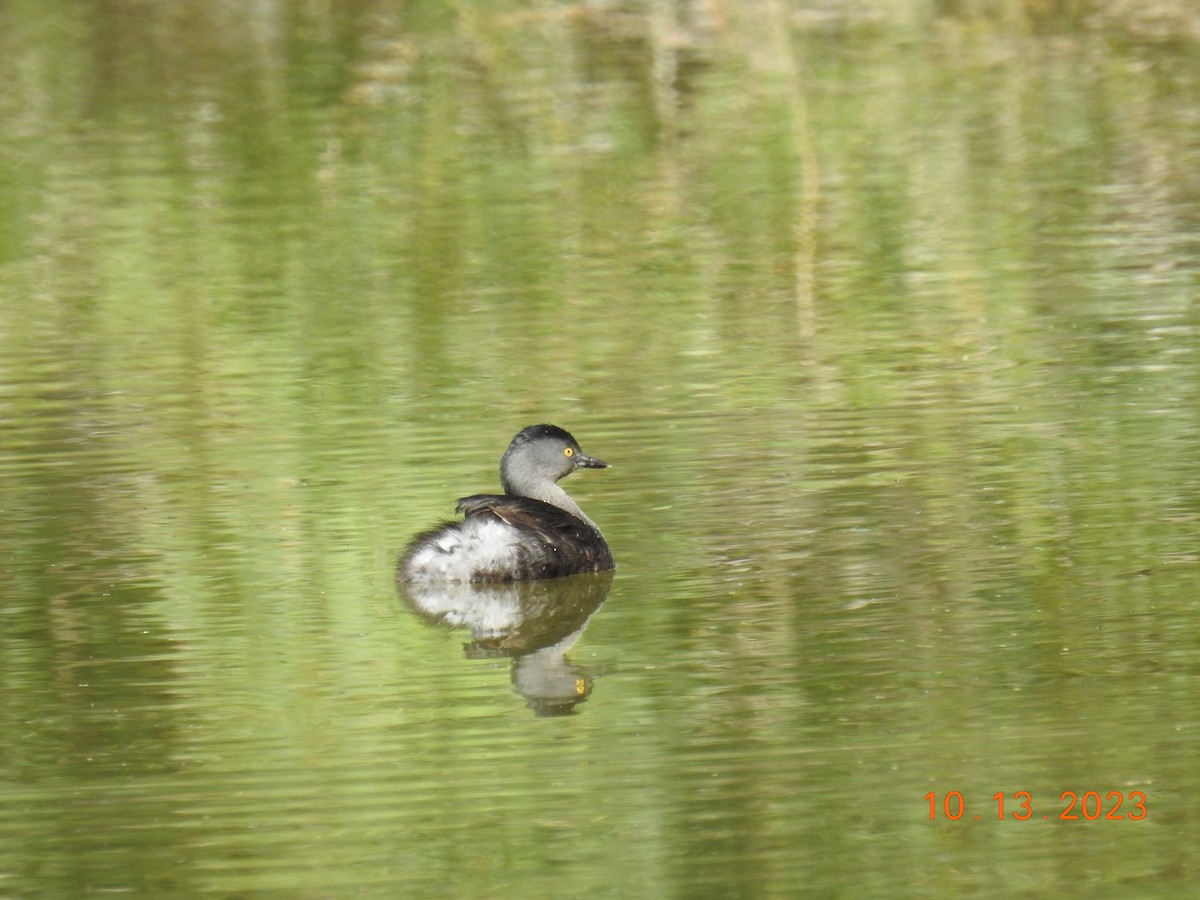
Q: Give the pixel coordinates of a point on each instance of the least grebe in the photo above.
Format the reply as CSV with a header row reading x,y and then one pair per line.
x,y
533,530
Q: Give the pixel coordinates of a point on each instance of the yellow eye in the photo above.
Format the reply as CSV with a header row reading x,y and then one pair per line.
x,y
568,451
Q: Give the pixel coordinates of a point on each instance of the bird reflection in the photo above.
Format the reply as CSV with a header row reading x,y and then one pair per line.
x,y
534,623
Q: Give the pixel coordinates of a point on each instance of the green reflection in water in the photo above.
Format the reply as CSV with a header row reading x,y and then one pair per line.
x,y
888,327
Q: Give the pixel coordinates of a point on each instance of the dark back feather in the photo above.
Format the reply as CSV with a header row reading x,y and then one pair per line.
x,y
557,543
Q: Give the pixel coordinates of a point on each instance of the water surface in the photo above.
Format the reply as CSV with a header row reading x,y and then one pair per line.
x,y
887,325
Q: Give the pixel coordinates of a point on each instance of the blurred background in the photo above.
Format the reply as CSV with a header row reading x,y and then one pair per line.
x,y
885,314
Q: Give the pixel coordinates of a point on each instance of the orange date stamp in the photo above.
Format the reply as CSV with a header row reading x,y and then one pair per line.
x,y
1072,806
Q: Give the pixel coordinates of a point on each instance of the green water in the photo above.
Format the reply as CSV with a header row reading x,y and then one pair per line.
x,y
886,319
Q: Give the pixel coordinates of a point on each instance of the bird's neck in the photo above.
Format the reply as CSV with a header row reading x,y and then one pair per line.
x,y
547,492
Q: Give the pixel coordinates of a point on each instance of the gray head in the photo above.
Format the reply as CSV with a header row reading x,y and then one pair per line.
x,y
538,457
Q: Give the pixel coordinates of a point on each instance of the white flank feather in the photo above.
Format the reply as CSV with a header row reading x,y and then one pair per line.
x,y
478,545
